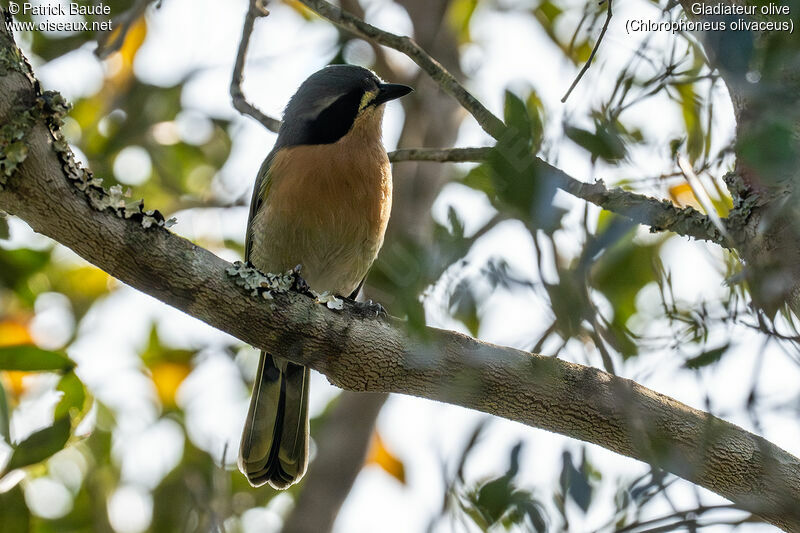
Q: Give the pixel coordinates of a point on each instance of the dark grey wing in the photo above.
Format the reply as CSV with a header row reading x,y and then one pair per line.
x,y
260,191
354,294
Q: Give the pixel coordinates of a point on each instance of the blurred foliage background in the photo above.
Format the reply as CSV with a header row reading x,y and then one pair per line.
x,y
117,414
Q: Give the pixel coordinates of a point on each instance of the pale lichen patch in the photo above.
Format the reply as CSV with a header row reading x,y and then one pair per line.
x,y
260,284
330,300
99,198
12,60
13,150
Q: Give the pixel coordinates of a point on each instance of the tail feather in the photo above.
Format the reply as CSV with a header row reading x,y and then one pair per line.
x,y
274,445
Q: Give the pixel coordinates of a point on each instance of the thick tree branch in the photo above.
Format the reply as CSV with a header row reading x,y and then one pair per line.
x,y
381,356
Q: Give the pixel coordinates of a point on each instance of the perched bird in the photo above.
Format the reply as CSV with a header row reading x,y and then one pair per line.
x,y
321,200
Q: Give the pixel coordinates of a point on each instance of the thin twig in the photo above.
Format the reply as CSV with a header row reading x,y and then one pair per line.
x,y
440,155
254,11
591,56
678,515
488,121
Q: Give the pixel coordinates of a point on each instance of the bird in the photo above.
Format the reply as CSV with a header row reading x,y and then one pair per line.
x,y
321,200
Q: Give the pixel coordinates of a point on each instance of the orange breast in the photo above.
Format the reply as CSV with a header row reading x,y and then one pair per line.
x,y
327,209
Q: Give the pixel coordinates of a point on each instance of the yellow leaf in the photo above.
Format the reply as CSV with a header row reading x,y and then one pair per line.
x,y
458,17
121,62
682,195
14,332
14,382
302,10
87,281
167,377
380,456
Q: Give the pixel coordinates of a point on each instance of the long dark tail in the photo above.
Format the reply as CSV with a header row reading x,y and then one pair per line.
x,y
274,446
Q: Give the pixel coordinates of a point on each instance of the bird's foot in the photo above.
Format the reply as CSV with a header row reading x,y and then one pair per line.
x,y
370,309
300,285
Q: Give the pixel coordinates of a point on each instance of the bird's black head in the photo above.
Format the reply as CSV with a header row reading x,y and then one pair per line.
x,y
327,104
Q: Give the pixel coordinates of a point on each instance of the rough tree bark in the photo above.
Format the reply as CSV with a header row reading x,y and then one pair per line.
x,y
765,222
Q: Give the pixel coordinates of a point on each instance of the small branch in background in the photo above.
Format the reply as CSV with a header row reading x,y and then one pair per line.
x,y
112,41
488,121
240,103
660,215
440,155
591,56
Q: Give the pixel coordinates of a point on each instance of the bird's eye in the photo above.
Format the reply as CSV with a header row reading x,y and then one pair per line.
x,y
370,85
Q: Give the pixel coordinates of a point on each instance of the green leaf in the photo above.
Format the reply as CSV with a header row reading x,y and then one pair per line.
x,y
480,179
4,231
602,143
706,358
548,12
516,116
14,514
690,106
517,176
30,358
40,445
621,271
5,416
536,116
74,395
459,15
464,307
575,483
18,266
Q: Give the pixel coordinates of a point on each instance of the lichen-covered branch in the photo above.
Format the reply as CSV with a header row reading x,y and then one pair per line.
x,y
364,354
660,215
